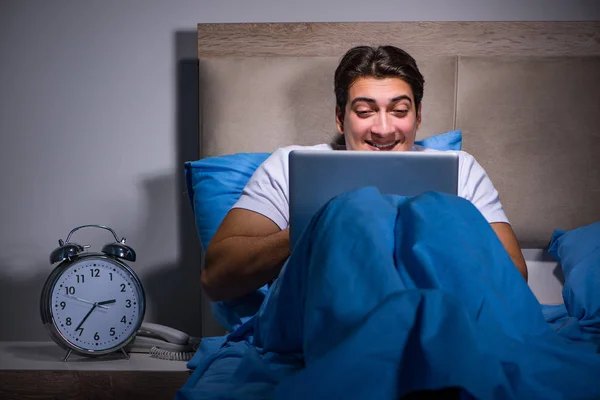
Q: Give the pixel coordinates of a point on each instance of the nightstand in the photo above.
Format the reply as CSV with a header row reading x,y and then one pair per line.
x,y
35,370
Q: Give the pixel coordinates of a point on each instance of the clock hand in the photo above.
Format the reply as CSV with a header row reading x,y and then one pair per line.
x,y
86,316
100,303
85,301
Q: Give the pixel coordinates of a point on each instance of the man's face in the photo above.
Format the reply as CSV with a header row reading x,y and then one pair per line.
x,y
380,115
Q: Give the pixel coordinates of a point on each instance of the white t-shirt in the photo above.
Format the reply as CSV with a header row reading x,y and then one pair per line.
x,y
267,191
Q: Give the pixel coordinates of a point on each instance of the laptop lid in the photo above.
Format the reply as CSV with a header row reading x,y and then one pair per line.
x,y
316,177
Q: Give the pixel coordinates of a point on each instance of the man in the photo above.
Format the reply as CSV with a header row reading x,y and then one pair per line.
x,y
378,108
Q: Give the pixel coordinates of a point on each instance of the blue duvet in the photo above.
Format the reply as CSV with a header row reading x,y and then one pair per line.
x,y
384,296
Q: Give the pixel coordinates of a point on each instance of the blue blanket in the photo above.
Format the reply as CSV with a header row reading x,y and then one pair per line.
x,y
384,296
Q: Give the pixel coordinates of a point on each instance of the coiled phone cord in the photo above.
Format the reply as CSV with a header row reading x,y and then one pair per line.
x,y
171,355
163,354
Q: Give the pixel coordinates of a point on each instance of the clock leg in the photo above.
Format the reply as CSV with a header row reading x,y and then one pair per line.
x,y
124,353
67,356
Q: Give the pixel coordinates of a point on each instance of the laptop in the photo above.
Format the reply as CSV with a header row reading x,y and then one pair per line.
x,y
317,176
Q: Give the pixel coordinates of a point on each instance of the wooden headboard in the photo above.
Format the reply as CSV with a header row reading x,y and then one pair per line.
x,y
526,96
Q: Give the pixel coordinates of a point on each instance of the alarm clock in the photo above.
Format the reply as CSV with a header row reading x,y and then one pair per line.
x,y
92,304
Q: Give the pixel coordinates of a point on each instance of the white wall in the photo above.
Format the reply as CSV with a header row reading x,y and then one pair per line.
x,y
97,103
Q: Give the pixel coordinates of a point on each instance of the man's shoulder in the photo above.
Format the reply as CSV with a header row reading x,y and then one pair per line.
x,y
286,150
277,162
322,146
463,155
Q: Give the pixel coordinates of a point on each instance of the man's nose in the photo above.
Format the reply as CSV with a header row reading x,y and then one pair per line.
x,y
381,125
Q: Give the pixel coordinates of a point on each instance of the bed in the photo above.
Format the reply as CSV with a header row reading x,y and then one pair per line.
x,y
524,95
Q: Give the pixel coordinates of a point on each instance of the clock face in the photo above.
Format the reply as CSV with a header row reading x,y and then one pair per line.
x,y
96,304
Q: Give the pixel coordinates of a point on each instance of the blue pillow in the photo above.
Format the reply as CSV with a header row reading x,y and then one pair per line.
x,y
214,184
445,141
578,253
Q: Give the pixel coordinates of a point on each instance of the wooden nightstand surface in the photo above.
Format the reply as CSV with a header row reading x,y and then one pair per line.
x,y
35,370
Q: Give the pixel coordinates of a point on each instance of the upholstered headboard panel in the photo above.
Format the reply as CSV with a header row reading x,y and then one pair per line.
x,y
525,95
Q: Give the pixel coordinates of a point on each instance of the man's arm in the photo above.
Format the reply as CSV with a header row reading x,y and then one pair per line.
x,y
247,251
511,244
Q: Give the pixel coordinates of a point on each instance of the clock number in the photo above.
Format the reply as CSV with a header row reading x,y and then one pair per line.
x,y
95,272
70,289
80,330
68,322
123,287
124,320
112,331
127,303
110,273
96,336
80,278
62,305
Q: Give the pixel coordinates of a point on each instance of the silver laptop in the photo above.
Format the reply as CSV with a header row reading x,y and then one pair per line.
x,y
318,176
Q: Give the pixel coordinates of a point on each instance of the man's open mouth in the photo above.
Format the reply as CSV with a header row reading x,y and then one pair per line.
x,y
382,146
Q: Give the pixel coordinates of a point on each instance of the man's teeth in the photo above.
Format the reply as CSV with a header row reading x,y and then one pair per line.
x,y
383,146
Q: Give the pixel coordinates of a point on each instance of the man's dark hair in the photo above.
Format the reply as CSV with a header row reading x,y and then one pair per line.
x,y
376,62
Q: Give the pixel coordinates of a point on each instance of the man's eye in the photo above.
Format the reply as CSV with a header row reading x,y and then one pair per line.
x,y
363,113
400,111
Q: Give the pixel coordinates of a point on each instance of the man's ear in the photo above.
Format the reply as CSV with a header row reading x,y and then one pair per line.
x,y
419,116
339,120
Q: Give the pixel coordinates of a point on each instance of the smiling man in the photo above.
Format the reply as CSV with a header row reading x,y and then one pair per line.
x,y
378,108
382,115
